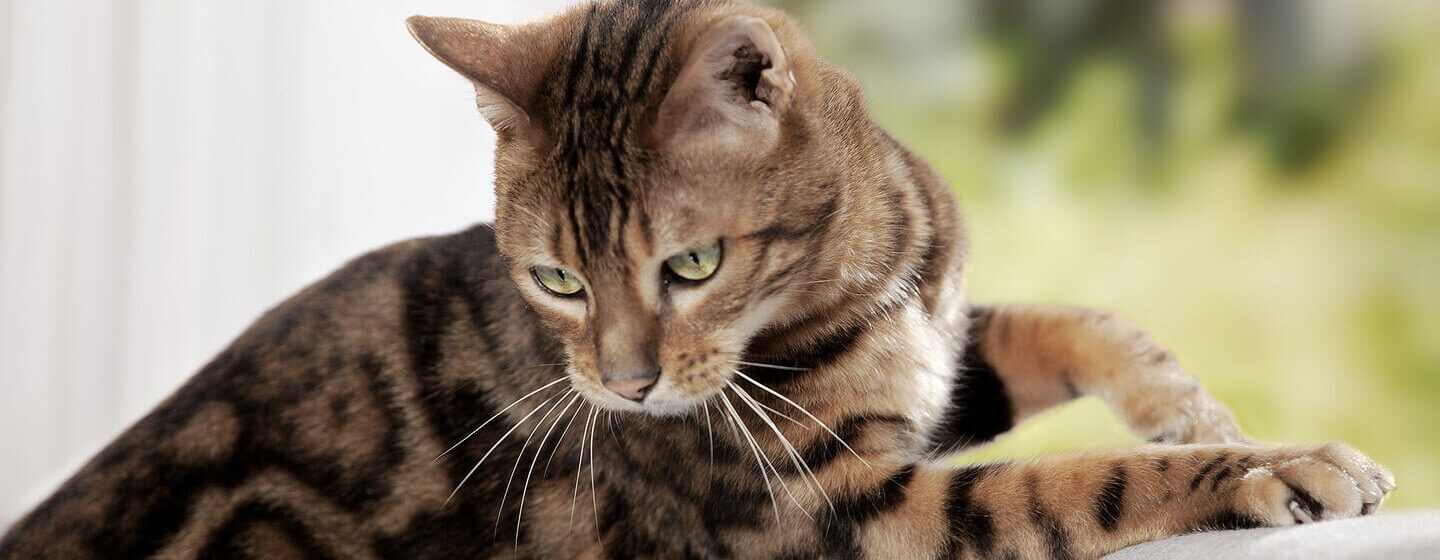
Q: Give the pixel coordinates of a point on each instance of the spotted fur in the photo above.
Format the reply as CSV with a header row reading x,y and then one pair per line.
x,y
431,400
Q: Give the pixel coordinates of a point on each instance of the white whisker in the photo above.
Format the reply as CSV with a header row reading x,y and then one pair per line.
x,y
711,433
780,414
754,449
815,282
560,439
579,467
610,421
539,448
594,500
799,462
493,448
770,366
500,511
492,418
806,413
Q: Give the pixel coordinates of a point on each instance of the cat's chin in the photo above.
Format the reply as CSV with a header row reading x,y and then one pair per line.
x,y
669,410
662,405
657,405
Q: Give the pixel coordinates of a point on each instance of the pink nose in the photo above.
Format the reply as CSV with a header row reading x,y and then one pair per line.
x,y
633,389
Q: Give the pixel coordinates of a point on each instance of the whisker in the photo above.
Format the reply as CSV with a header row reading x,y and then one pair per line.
x,y
579,467
755,450
806,413
733,432
594,500
500,511
492,418
493,448
711,433
815,282
771,366
573,416
778,477
799,462
780,414
610,421
539,448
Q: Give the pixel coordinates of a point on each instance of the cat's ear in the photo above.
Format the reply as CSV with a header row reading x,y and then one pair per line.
x,y
733,88
504,62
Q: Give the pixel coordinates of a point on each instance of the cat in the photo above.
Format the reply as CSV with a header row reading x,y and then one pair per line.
x,y
720,313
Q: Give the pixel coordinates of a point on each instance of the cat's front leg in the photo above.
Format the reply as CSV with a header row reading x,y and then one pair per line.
x,y
1089,504
1035,357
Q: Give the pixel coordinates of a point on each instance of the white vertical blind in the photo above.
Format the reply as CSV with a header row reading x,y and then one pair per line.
x,y
170,169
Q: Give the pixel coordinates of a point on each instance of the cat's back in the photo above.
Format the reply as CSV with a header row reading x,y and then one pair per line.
x,y
316,426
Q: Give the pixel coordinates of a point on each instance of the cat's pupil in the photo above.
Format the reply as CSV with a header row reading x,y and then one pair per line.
x,y
694,257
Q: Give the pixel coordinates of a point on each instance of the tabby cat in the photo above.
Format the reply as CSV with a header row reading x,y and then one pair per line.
x,y
720,313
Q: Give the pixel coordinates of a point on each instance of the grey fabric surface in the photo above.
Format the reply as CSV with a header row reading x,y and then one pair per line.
x,y
1400,536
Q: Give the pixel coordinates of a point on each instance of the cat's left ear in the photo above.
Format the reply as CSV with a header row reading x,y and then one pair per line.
x,y
505,62
732,91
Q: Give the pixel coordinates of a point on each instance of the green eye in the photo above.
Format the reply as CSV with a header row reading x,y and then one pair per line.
x,y
696,265
557,280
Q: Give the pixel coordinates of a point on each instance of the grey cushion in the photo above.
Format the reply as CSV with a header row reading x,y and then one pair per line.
x,y
1403,535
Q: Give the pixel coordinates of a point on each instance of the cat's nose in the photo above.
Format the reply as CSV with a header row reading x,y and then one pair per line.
x,y
634,388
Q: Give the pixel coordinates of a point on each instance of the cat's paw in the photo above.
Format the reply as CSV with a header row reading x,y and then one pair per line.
x,y
1197,428
1302,485
1198,418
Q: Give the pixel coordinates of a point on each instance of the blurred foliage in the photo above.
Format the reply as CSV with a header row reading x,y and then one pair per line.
x,y
1293,262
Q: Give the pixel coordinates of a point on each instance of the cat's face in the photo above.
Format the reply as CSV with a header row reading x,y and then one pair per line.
x,y
651,202
655,286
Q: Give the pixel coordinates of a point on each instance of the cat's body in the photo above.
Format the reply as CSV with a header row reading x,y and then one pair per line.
x,y
646,406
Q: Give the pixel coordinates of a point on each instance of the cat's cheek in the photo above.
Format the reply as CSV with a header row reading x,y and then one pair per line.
x,y
758,316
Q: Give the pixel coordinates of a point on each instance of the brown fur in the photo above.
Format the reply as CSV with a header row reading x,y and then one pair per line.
x,y
431,400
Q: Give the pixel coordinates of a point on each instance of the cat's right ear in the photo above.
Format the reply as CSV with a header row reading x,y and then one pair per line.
x,y
731,93
504,62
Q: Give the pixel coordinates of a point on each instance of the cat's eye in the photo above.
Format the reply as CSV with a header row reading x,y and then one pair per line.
x,y
557,281
695,265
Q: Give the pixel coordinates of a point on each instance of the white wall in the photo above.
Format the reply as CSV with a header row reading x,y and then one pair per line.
x,y
169,170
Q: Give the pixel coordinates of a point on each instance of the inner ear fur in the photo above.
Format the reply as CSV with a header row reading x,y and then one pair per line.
x,y
731,92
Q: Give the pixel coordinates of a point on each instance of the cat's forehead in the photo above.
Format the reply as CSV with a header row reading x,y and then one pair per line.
x,y
614,67
595,217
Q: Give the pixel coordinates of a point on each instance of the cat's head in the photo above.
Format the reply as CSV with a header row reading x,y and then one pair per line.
x,y
669,180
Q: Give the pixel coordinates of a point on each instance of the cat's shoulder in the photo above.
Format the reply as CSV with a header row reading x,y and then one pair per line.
x,y
390,289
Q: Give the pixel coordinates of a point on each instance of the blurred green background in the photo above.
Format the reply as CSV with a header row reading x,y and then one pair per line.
x,y
1257,182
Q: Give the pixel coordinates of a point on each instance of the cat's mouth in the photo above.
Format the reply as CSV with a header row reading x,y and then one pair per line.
x,y
670,394
736,384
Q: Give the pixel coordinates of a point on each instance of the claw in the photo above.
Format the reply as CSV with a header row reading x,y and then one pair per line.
x,y
1301,516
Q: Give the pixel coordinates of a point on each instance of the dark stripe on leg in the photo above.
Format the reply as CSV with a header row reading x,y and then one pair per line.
x,y
1111,503
970,522
1219,477
979,408
1205,470
840,531
1057,540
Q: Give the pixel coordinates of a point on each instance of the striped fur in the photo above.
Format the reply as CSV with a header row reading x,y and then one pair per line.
x,y
430,400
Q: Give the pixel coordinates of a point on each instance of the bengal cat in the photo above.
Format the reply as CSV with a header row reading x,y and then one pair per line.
x,y
720,313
